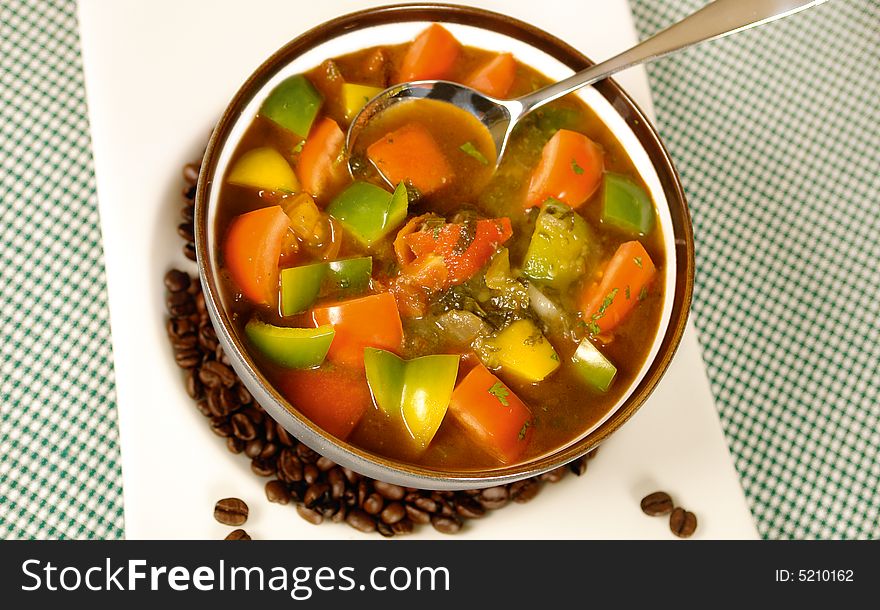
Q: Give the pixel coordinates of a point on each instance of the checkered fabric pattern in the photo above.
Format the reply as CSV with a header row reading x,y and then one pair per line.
x,y
775,133
59,455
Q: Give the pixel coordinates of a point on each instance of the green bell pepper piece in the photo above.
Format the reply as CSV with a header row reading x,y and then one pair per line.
x,y
348,276
593,367
297,348
293,104
369,212
626,205
561,246
418,391
300,287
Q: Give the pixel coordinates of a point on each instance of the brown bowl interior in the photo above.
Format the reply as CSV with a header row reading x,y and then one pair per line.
x,y
682,237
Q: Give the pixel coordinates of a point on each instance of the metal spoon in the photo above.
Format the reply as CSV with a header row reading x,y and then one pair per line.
x,y
714,20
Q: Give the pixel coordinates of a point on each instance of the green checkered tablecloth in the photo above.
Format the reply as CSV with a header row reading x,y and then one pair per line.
x,y
59,458
775,133
776,136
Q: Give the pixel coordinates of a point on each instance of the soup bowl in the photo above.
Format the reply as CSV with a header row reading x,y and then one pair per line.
x,y
535,48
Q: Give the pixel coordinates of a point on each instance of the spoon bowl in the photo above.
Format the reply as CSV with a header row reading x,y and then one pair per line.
x,y
716,19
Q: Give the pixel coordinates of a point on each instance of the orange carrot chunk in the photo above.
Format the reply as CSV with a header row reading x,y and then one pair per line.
x,y
410,154
570,170
625,281
431,55
251,251
495,77
321,166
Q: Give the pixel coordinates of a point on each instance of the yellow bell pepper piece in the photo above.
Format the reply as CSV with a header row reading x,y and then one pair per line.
x,y
355,97
264,168
521,349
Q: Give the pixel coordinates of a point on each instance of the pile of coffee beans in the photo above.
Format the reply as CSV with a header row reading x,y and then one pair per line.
x,y
683,523
320,489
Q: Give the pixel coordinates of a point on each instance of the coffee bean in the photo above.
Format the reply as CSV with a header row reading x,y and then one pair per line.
x,y
306,454
683,523
179,327
277,492
235,445
373,504
426,504
189,251
244,397
222,372
221,427
176,280
494,497
361,521
657,503
185,230
468,508
337,483
283,436
324,464
555,475
269,451
312,516
393,513
187,212
187,358
315,494
525,490
402,527
446,525
384,529
289,467
416,515
310,473
193,385
262,468
242,427
238,534
231,511
389,491
202,406
253,448
191,173
578,466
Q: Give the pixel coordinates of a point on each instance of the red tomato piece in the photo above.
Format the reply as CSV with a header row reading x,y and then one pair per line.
x,y
333,397
370,321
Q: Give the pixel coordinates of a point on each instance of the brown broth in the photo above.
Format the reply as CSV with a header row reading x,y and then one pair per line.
x,y
564,406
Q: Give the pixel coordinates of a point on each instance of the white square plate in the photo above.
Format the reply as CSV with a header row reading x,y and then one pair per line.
x,y
158,74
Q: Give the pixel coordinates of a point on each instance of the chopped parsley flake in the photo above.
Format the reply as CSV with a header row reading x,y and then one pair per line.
x,y
627,292
594,328
638,261
298,148
522,431
576,168
469,149
554,357
643,294
500,392
606,303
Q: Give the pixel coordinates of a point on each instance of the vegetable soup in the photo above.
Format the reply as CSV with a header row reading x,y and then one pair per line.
x,y
432,308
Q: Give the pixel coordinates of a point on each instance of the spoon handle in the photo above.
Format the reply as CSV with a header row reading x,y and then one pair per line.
x,y
714,20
